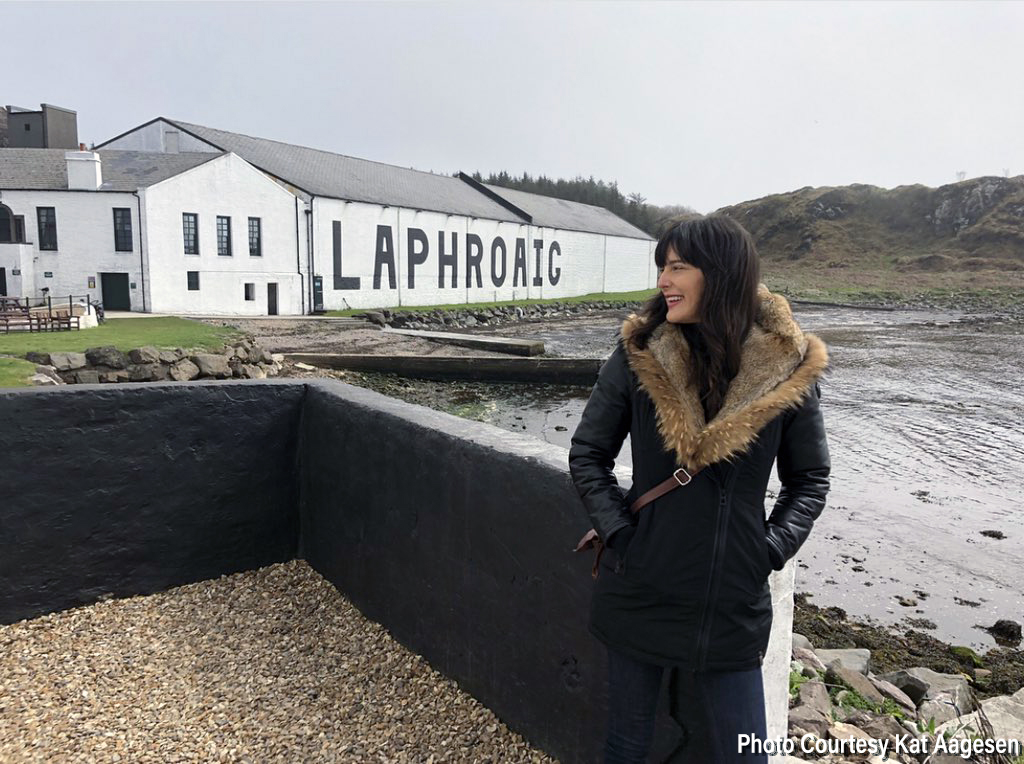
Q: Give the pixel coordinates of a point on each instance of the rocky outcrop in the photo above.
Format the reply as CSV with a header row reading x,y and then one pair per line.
x,y
242,360
439,320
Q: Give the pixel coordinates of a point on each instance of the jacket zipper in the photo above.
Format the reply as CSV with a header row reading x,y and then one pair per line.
x,y
717,552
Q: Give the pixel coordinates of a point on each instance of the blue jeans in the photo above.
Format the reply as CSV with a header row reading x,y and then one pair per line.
x,y
712,708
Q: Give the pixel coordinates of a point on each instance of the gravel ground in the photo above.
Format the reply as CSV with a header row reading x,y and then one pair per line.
x,y
272,665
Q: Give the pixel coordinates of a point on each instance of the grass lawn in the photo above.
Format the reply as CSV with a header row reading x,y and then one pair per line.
x,y
124,334
15,373
643,294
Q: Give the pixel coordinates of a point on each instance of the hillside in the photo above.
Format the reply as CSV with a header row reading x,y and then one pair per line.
x,y
966,234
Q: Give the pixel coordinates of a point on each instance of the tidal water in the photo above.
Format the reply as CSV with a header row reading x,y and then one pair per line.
x,y
925,416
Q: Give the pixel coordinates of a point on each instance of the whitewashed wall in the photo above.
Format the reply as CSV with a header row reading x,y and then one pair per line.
x,y
224,186
570,263
85,243
19,269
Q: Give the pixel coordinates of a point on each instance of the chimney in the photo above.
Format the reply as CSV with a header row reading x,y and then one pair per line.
x,y
84,171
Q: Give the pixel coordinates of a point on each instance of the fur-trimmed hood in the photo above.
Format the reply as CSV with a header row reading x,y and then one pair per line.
x,y
779,365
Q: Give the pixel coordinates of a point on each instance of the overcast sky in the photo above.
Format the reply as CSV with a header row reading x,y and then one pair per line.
x,y
686,103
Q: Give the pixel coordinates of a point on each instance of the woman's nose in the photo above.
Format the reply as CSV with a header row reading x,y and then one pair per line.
x,y
662,280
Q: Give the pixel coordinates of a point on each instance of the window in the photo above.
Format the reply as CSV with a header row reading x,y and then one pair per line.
x,y
255,238
193,281
250,292
47,218
122,229
190,228
223,236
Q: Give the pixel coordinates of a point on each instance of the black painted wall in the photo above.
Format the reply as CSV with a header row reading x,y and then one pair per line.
x,y
132,489
454,535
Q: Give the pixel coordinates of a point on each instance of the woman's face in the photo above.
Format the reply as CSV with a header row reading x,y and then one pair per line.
x,y
681,285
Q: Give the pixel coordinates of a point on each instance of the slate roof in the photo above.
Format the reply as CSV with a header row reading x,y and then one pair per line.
x,y
323,173
46,169
573,216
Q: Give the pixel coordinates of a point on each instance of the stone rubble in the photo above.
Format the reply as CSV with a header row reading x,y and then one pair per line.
x,y
272,665
241,360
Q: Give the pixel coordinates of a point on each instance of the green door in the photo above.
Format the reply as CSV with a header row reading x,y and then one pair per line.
x,y
116,295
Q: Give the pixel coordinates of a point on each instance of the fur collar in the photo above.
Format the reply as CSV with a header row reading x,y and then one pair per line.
x,y
779,365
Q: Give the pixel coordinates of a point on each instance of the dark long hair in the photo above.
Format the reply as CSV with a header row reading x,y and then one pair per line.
x,y
725,253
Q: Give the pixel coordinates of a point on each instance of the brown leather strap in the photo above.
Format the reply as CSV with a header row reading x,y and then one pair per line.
x,y
677,479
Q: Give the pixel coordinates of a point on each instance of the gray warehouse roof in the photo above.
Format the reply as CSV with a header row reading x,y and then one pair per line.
x,y
47,170
574,216
342,177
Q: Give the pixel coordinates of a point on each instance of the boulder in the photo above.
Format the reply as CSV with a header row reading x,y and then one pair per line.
x,y
883,727
44,380
855,658
922,684
240,352
68,361
183,371
115,375
212,365
803,720
253,371
842,731
814,695
87,377
895,694
856,681
107,356
807,657
799,640
376,318
51,372
941,709
144,355
147,372
34,357
171,356
1004,713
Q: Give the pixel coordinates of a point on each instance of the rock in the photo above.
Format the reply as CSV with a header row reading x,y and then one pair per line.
x,y
107,356
1005,714
240,353
68,361
1007,633
982,675
895,694
843,731
44,380
265,357
34,357
147,372
921,684
856,681
799,640
212,365
144,355
276,358
883,727
941,710
116,375
87,377
469,321
253,371
51,372
803,720
807,657
183,371
171,356
814,695
376,318
856,658
305,367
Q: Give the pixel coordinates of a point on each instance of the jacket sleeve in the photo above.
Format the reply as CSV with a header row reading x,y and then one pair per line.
x,y
803,467
596,443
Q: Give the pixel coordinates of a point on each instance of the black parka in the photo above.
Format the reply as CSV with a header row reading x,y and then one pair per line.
x,y
691,588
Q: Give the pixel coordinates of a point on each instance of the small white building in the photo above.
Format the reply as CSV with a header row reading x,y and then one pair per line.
x,y
379,235
189,233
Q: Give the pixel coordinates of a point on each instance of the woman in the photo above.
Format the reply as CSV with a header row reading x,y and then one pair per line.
x,y
713,376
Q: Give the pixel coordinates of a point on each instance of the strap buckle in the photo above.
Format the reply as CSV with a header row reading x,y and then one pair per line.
x,y
679,480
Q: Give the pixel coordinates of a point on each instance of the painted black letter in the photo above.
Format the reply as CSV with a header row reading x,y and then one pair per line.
x,y
416,258
554,273
385,256
520,262
474,254
341,282
538,246
498,243
444,259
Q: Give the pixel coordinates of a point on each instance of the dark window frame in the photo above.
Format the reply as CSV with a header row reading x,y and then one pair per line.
x,y
123,236
191,244
249,291
192,283
224,236
47,229
257,250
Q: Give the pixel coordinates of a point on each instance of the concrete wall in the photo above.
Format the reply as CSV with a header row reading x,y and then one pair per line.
x,y
132,489
85,242
224,186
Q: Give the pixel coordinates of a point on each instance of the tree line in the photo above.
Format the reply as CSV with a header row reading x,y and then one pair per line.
x,y
633,208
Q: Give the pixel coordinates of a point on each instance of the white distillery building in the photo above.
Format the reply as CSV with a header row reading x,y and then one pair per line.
x,y
376,235
190,233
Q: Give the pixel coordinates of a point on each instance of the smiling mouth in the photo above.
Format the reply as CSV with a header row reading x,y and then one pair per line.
x,y
672,300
